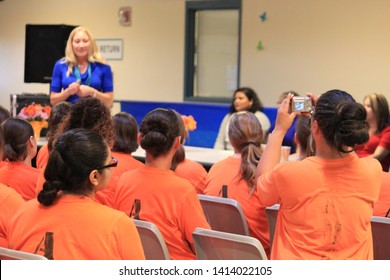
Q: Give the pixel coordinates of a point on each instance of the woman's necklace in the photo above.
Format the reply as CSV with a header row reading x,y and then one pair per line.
x,y
82,65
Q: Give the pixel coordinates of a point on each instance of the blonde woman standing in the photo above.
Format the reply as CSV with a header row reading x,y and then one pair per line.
x,y
82,72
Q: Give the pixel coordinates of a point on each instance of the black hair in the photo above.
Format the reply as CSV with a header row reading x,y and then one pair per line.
x,y
252,96
341,119
126,132
76,152
158,129
16,133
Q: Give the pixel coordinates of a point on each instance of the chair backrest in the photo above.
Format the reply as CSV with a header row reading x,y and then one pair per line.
x,y
224,214
380,227
152,241
272,216
218,245
10,254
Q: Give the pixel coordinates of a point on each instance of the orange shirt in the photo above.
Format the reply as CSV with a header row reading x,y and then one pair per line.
x,y
21,177
226,172
40,181
10,201
194,172
326,207
168,201
382,206
42,157
126,162
81,230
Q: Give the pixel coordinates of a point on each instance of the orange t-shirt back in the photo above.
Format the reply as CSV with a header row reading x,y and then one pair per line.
x,y
81,229
20,177
326,207
10,202
382,206
42,157
194,172
168,201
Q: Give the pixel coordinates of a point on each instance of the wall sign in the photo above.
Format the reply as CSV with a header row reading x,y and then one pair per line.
x,y
111,49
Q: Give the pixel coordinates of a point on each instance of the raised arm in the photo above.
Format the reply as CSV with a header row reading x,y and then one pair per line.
x,y
271,155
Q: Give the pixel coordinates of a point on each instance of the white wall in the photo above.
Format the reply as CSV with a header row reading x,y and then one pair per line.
x,y
315,46
309,45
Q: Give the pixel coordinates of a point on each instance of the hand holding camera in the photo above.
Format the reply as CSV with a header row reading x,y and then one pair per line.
x,y
301,104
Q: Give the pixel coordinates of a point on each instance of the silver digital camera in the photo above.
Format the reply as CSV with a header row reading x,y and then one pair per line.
x,y
301,104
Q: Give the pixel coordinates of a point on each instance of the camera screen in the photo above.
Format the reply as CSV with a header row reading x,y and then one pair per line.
x,y
299,106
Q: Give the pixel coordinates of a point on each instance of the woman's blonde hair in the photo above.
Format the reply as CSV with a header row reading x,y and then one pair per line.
x,y
245,135
94,54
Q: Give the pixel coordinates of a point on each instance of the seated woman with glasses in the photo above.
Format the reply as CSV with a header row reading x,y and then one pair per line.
x,y
65,223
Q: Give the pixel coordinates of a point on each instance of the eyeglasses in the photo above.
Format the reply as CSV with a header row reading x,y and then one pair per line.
x,y
113,163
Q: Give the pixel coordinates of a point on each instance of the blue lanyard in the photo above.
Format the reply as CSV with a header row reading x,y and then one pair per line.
x,y
78,75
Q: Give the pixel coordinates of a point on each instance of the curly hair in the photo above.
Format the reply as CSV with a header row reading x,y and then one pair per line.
x,y
88,113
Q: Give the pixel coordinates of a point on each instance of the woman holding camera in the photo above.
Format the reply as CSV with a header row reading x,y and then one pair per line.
x,y
326,206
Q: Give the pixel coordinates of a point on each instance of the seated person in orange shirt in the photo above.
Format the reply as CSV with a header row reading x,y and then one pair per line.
x,y
10,202
188,169
92,114
20,147
325,202
57,113
382,206
154,193
238,172
125,143
65,223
